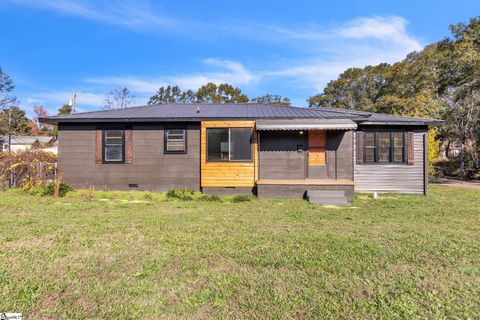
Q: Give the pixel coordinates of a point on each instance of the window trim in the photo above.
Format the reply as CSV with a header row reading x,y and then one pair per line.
x,y
228,161
391,151
104,161
165,140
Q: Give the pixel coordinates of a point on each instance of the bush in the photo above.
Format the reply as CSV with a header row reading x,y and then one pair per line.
x,y
26,169
49,189
183,194
242,198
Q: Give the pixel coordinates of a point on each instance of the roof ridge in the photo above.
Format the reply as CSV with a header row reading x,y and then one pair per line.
x,y
183,104
341,110
372,113
96,111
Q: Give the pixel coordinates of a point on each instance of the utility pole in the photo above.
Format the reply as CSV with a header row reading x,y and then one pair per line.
x,y
9,129
74,100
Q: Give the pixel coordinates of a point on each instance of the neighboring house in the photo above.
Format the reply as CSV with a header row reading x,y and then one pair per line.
x,y
23,143
271,150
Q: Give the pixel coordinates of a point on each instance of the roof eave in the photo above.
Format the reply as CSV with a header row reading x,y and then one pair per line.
x,y
430,123
172,119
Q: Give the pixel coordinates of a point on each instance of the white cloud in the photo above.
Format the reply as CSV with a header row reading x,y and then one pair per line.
x,y
325,53
62,97
228,71
391,29
360,42
127,13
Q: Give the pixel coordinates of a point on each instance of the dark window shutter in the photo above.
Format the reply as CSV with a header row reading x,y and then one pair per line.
x,y
410,146
98,145
128,146
359,146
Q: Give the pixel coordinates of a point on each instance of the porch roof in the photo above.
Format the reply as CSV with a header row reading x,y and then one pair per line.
x,y
306,124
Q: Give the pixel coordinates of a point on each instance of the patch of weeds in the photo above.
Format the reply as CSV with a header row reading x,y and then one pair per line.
x,y
243,198
49,190
210,198
147,197
183,194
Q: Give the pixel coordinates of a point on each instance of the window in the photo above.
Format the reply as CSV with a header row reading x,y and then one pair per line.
x,y
370,147
385,147
398,147
113,146
229,144
175,141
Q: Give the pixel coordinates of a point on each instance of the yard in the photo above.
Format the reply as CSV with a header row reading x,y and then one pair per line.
x,y
392,257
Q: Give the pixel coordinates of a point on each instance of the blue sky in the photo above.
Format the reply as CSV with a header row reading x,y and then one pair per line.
x,y
291,48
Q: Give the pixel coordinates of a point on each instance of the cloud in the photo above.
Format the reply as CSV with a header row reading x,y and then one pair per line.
x,y
359,42
228,71
391,29
127,13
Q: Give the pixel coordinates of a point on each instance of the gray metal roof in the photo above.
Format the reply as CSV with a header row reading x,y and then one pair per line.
x,y
197,112
389,119
306,124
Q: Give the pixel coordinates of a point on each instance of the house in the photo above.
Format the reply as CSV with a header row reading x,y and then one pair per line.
x,y
271,150
16,143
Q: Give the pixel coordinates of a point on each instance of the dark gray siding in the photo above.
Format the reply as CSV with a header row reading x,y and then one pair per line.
x,y
298,191
279,157
228,191
339,155
399,178
151,168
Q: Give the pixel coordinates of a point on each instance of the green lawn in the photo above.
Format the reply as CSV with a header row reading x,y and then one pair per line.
x,y
392,257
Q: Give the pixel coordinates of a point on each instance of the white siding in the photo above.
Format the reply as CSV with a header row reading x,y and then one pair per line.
x,y
393,178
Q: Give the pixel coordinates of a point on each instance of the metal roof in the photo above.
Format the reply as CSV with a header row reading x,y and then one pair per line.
x,y
196,112
302,124
27,140
387,119
254,111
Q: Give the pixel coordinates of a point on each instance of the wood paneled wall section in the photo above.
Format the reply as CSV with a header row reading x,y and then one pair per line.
x,y
228,174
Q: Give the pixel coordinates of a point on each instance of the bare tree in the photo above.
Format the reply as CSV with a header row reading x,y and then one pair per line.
x,y
6,87
119,98
463,123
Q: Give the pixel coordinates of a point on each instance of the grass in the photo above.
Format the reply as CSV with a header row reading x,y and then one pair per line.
x,y
113,255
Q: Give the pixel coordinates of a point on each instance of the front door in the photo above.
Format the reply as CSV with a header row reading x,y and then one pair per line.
x,y
317,154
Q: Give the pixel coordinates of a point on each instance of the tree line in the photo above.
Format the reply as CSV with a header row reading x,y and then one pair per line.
x,y
208,93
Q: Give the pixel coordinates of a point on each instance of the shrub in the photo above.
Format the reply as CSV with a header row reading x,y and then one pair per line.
x,y
26,169
49,189
182,194
242,198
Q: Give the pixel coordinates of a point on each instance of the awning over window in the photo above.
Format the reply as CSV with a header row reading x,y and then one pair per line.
x,y
306,124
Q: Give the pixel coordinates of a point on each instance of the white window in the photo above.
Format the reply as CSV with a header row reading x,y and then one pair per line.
x,y
175,141
113,146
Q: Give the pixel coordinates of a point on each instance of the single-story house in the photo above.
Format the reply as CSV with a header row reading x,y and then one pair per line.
x,y
16,143
270,150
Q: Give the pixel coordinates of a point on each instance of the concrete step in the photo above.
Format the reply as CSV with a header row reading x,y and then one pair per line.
x,y
328,197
